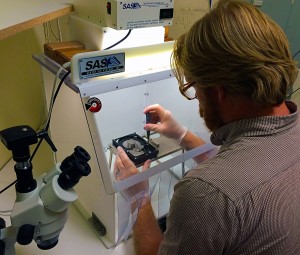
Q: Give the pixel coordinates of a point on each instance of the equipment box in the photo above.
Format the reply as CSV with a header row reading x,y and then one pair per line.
x,y
103,112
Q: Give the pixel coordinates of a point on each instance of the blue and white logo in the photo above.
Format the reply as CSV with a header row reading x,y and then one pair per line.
x,y
131,6
102,65
113,61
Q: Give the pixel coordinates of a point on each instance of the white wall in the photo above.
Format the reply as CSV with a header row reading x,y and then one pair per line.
x,y
186,13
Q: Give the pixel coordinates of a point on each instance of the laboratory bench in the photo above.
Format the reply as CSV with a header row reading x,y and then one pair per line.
x,y
77,237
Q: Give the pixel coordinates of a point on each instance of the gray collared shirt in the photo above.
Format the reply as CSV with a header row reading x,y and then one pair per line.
x,y
246,199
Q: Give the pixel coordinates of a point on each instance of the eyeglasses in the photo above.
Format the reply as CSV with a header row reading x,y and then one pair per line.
x,y
188,91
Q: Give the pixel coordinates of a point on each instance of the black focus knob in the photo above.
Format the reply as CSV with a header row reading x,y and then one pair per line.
x,y
25,234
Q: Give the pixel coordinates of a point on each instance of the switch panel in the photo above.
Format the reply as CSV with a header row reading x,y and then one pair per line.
x,y
258,3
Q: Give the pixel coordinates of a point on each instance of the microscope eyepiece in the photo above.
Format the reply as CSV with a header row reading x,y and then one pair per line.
x,y
74,167
79,153
71,176
82,153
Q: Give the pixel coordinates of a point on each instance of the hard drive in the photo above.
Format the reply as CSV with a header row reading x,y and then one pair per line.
x,y
137,148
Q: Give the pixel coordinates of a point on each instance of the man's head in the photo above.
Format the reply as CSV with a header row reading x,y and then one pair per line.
x,y
238,48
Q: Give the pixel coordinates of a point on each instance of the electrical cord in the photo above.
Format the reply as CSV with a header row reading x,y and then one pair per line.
x,y
8,186
289,96
55,92
48,28
60,39
46,32
52,30
108,48
45,128
50,113
64,66
295,55
53,97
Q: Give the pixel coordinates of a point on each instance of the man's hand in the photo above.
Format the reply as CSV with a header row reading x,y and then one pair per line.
x,y
124,168
164,123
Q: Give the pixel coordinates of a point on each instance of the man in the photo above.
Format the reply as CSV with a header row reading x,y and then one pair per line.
x,y
246,199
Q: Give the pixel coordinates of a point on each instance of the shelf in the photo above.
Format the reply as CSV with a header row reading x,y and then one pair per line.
x,y
19,15
53,68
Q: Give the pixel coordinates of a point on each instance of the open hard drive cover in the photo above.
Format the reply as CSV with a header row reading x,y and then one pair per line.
x,y
137,148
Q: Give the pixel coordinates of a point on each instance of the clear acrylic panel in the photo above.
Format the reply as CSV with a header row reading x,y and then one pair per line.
x,y
122,115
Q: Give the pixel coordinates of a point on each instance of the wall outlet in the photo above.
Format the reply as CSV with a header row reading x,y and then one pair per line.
x,y
258,3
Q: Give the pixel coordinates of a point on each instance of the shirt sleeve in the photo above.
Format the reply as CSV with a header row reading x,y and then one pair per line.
x,y
201,220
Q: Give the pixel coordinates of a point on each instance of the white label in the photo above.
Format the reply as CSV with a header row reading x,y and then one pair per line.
x,y
258,2
101,65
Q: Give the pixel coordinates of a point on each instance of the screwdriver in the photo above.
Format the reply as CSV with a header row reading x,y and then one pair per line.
x,y
148,120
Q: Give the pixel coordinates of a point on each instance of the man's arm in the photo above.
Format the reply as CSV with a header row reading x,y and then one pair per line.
x,y
146,232
191,141
164,123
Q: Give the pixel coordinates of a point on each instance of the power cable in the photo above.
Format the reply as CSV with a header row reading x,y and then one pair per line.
x,y
45,128
297,52
124,38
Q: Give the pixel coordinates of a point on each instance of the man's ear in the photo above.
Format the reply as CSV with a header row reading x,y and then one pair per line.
x,y
221,93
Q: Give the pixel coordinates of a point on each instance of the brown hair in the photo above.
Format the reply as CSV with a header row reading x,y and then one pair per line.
x,y
239,47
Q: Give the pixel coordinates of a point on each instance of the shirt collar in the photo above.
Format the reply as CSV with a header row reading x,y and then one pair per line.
x,y
259,126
